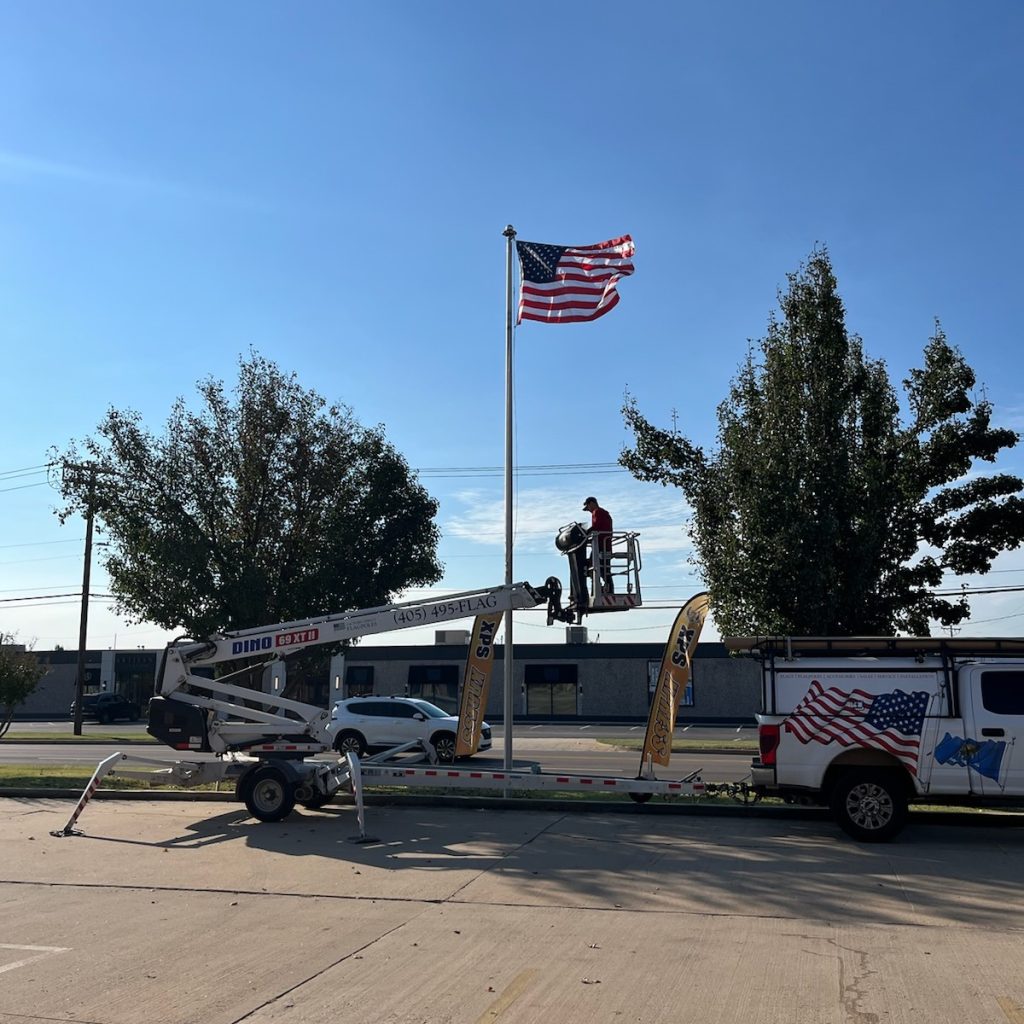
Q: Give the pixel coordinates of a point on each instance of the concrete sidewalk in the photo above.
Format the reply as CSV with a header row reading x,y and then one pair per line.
x,y
188,912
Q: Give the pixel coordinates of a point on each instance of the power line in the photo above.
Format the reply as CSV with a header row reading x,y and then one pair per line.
x,y
23,487
41,543
10,474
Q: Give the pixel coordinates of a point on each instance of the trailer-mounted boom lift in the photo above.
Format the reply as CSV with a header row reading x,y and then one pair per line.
x,y
268,741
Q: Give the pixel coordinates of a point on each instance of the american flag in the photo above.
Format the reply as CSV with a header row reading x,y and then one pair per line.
x,y
564,284
886,721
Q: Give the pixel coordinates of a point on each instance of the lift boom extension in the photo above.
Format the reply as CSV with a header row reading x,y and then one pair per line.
x,y
195,711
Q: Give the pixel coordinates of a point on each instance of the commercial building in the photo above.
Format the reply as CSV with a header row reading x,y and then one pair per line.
x,y
570,681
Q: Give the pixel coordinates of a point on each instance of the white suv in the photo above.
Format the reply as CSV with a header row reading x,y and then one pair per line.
x,y
360,724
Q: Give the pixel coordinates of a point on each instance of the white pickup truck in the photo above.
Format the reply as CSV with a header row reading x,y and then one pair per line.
x,y
866,726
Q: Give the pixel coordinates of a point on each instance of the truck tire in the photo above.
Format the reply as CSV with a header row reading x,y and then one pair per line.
x,y
268,793
870,805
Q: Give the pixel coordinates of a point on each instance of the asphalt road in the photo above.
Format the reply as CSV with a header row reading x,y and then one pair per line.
x,y
568,730
558,748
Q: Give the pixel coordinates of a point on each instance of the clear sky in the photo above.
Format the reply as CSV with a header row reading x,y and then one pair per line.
x,y
327,184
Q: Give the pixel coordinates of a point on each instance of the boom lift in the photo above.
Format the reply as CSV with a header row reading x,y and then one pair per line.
x,y
193,710
269,740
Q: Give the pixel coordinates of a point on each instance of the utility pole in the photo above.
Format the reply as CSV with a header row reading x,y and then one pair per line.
x,y
76,474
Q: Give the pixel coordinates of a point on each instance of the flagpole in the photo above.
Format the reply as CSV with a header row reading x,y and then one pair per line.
x,y
509,666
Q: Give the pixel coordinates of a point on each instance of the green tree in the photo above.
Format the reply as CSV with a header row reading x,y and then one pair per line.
x,y
20,673
268,506
824,510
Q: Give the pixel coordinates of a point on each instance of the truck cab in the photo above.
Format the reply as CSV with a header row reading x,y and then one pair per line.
x,y
867,726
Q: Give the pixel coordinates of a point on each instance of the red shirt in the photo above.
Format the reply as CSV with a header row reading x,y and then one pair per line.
x,y
601,525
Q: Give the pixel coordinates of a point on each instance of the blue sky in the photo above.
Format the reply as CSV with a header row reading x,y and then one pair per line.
x,y
327,183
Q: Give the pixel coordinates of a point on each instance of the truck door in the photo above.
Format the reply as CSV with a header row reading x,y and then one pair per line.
x,y
995,726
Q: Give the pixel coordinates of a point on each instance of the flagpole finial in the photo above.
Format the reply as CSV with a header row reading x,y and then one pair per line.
x,y
509,232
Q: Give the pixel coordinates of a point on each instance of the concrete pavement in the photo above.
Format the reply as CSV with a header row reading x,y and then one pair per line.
x,y
191,912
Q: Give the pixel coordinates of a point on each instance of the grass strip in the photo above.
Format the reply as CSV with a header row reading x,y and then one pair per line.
x,y
90,736
70,776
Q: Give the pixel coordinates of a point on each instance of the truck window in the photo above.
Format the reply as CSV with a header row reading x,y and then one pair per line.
x,y
1002,693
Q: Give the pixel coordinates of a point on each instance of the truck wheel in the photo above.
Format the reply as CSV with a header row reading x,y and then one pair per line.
x,y
350,741
269,794
444,746
870,805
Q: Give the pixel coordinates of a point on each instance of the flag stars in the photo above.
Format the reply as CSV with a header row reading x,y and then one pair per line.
x,y
539,262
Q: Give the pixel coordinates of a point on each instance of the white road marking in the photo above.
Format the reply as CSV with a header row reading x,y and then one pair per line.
x,y
40,953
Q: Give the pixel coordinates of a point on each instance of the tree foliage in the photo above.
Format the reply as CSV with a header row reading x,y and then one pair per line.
x,y
825,509
268,505
20,673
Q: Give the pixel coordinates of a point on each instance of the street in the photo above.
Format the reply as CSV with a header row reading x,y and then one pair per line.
x,y
576,749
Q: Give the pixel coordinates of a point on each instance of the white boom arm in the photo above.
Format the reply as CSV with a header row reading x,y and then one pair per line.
x,y
221,716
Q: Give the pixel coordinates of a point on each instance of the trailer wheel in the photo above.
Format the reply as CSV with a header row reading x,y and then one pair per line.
x,y
640,798
269,794
870,805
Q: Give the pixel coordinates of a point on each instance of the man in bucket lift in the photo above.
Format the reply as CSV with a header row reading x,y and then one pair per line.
x,y
572,542
600,534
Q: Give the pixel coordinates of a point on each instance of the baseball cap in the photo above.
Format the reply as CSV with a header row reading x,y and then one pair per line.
x,y
587,501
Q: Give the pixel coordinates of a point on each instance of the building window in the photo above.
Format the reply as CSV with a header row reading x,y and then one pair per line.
x,y
437,683
653,668
551,690
358,680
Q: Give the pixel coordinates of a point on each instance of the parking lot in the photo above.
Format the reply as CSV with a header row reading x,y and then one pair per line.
x,y
193,912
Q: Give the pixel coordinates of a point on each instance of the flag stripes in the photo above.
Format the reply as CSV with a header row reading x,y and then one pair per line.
x,y
889,721
571,284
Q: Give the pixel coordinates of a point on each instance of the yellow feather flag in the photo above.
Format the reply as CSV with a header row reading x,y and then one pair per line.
x,y
672,679
476,683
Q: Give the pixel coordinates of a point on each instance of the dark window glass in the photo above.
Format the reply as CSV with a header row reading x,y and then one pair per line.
x,y
400,710
437,683
550,690
358,680
370,708
1002,693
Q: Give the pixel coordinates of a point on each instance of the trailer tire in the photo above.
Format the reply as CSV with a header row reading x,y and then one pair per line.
x,y
870,805
350,741
268,793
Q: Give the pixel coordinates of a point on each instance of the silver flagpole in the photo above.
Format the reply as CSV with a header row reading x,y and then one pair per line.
x,y
509,668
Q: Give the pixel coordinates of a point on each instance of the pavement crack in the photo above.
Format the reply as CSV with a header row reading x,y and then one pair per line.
x,y
329,967
452,896
63,1020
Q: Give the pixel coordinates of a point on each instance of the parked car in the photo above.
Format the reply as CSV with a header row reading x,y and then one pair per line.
x,y
360,724
107,707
